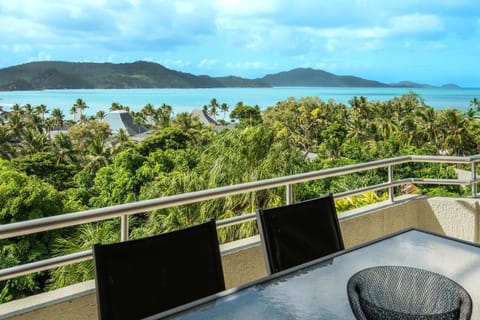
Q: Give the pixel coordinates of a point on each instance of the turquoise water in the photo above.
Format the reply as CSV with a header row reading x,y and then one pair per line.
x,y
184,100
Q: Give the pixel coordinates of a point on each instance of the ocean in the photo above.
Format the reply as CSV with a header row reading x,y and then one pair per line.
x,y
185,100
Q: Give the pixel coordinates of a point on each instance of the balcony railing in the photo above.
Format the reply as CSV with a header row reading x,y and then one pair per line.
x,y
125,210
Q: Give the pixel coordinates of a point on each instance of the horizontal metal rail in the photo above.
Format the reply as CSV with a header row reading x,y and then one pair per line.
x,y
76,218
45,264
81,217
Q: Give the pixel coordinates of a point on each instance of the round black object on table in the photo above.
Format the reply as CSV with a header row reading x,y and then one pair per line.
x,y
399,292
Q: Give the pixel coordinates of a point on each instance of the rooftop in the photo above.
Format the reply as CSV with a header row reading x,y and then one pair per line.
x,y
121,119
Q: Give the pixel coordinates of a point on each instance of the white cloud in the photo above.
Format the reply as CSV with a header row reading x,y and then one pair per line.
x,y
237,8
207,63
246,65
21,48
416,23
42,56
175,63
330,45
436,45
371,45
239,35
348,33
184,7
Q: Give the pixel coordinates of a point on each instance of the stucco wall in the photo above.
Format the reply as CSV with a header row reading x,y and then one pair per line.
x,y
455,217
373,221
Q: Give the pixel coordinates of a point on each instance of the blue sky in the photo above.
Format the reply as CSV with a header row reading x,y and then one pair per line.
x,y
425,41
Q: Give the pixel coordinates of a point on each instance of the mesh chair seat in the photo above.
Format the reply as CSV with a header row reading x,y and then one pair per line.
x,y
398,292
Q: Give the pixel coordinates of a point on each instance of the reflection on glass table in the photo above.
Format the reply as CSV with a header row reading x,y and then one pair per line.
x,y
318,289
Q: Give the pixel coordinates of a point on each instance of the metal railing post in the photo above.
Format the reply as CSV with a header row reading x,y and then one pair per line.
x,y
390,180
124,228
474,178
289,193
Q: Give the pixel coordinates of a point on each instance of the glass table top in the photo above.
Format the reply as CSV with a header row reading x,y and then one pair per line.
x,y
319,290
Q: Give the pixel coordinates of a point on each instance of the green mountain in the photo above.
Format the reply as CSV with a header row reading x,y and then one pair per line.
x,y
409,84
140,74
307,77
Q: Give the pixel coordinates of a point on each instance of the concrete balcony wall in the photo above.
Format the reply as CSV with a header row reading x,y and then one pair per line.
x,y
376,220
455,217
243,260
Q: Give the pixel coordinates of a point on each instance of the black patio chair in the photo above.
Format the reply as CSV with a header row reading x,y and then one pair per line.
x,y
138,278
299,232
398,292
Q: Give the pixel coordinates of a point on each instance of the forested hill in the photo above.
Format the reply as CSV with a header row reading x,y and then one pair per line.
x,y
140,74
307,77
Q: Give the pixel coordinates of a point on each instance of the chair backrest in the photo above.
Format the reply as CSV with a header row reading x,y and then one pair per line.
x,y
138,278
299,232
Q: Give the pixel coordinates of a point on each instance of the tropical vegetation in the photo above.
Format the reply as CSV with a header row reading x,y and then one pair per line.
x,y
50,166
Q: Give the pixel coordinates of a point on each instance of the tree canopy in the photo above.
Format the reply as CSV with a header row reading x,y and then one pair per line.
x,y
88,166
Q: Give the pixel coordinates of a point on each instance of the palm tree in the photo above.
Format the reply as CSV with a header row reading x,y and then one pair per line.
x,y
41,110
457,139
35,122
80,105
212,108
384,119
63,147
118,106
85,236
48,125
360,107
99,155
357,129
58,117
33,141
16,108
163,116
15,124
73,111
120,141
83,119
224,108
100,115
28,109
6,148
187,122
77,109
148,110
474,108
475,103
408,130
428,128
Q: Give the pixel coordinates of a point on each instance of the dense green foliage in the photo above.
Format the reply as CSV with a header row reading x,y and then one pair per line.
x,y
47,172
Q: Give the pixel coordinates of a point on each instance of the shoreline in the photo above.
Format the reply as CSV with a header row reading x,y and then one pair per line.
x,y
184,100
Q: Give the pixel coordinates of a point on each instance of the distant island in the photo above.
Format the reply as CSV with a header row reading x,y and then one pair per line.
x,y
409,84
141,74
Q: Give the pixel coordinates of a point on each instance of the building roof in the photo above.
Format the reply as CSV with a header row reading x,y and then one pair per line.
x,y
204,118
121,119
